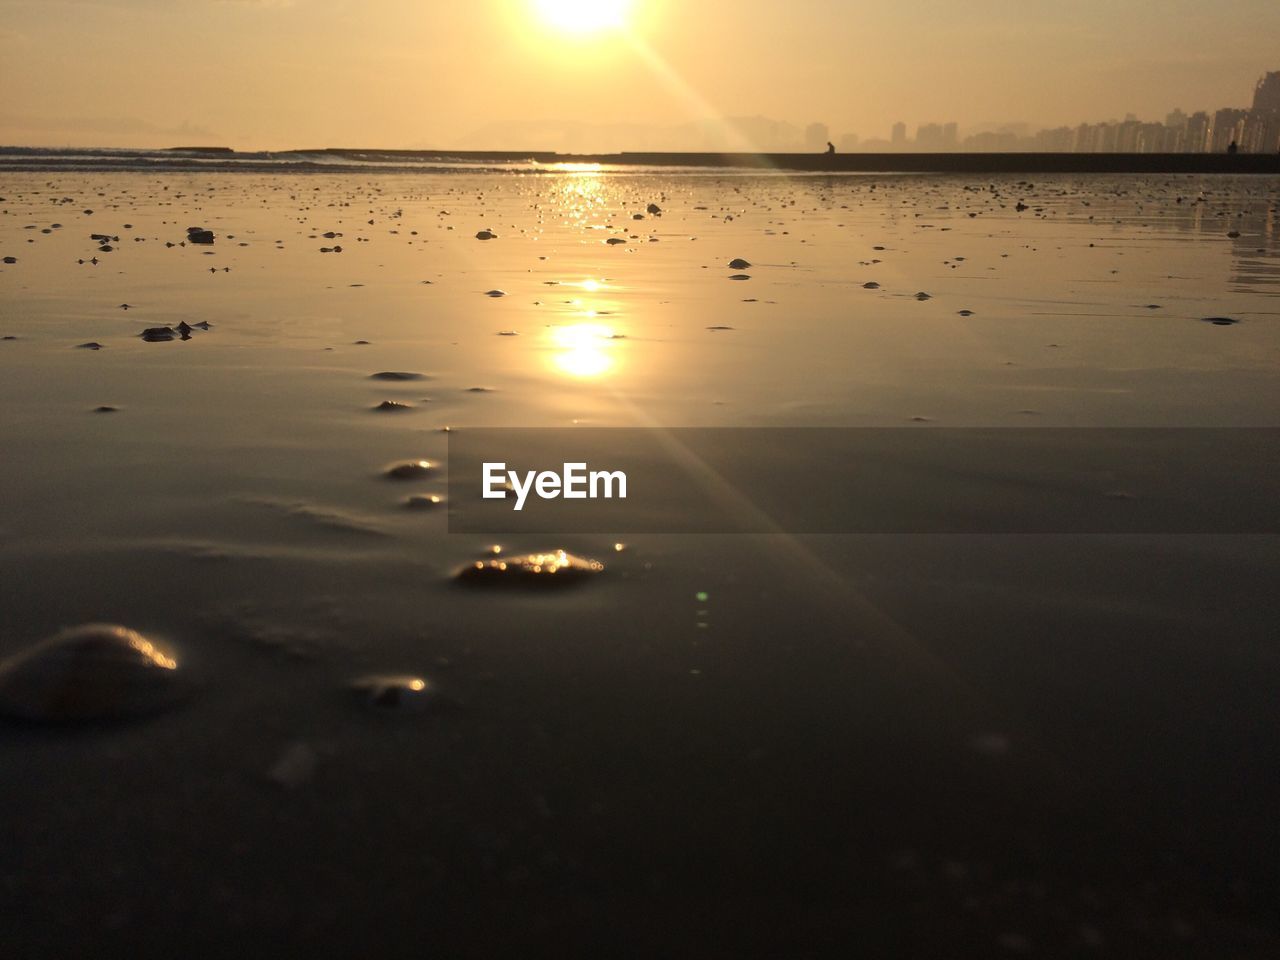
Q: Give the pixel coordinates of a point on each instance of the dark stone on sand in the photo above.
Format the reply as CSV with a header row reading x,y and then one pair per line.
x,y
740,276
535,570
88,673
396,693
105,409
409,470
396,375
200,236
1221,321
91,345
923,296
871,285
738,264
486,235
614,241
158,334
495,293
392,406
654,209
424,501
10,259
965,313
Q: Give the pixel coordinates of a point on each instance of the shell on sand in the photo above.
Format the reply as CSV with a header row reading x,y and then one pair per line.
x,y
92,672
554,569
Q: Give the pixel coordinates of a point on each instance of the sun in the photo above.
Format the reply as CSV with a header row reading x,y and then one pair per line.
x,y
583,16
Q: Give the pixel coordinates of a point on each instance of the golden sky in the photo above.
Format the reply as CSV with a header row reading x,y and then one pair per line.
x,y
273,74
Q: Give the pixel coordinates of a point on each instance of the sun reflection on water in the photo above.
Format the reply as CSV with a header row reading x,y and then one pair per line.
x,y
584,350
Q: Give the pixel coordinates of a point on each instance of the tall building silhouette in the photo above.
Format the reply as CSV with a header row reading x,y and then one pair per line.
x,y
1266,95
816,136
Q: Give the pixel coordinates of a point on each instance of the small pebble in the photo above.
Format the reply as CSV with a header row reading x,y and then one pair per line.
x,y
538,570
395,693
409,470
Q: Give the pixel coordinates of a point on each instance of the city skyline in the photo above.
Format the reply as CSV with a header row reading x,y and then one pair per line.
x,y
281,74
1254,129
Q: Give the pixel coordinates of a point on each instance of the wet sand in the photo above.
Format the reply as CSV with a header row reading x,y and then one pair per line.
x,y
719,746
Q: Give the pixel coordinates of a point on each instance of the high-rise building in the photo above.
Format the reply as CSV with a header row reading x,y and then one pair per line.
x,y
1151,137
816,137
936,136
1266,95
1199,127
1127,135
1228,128
1261,132
899,137
1059,140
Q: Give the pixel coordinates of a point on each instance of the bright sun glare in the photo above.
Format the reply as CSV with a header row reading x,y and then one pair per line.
x,y
583,16
584,350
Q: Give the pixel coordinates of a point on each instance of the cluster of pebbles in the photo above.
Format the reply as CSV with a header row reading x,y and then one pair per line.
x,y
106,672
101,672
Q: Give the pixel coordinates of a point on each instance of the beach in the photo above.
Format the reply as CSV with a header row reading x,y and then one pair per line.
x,y
719,745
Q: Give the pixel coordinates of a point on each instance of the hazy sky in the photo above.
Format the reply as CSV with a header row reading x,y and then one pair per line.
x,y
401,73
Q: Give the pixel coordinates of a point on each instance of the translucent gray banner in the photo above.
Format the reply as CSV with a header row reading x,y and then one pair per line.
x,y
919,480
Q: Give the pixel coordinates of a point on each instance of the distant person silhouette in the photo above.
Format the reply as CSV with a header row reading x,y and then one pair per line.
x,y
1232,148
831,148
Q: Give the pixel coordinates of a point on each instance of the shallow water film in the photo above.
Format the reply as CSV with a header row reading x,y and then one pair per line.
x,y
225,407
